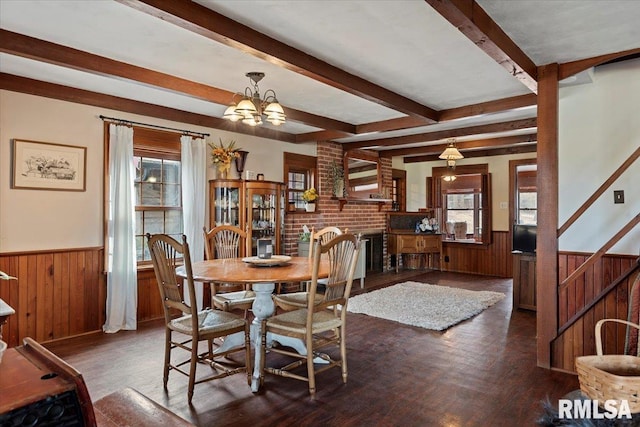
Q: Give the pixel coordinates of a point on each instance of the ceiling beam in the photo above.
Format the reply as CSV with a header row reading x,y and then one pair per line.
x,y
468,17
496,106
80,96
201,20
51,53
443,134
574,67
323,135
407,122
501,151
462,146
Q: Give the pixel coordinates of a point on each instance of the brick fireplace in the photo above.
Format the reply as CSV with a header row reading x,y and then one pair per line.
x,y
358,216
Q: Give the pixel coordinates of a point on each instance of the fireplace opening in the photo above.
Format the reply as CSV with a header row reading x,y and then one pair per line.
x,y
373,250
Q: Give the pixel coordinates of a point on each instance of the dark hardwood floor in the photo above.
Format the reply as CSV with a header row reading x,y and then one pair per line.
x,y
481,372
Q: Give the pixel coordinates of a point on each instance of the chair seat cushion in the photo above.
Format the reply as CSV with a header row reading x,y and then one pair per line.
x,y
208,321
294,300
295,321
240,297
298,299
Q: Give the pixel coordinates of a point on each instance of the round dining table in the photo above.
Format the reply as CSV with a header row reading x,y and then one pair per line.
x,y
263,275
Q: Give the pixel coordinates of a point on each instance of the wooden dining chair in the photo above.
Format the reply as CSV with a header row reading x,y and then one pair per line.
x,y
222,242
319,324
296,300
167,254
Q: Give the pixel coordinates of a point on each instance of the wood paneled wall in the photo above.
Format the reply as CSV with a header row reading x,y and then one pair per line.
x,y
491,260
149,305
579,339
58,294
62,293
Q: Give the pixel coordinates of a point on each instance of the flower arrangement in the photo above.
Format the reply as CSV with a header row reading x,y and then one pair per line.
x,y
310,195
336,175
222,156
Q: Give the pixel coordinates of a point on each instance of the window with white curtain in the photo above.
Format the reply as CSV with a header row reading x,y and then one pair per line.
x,y
158,188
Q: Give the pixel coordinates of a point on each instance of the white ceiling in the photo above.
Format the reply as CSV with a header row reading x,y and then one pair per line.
x,y
404,46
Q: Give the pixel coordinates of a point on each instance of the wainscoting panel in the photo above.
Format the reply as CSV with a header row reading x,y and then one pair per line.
x,y
62,293
149,304
58,294
491,260
579,338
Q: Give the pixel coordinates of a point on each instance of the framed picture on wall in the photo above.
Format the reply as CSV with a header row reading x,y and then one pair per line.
x,y
47,166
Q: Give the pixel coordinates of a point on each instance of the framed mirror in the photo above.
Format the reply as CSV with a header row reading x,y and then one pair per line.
x,y
363,177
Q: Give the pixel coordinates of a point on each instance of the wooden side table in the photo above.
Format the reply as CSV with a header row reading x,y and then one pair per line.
x,y
524,281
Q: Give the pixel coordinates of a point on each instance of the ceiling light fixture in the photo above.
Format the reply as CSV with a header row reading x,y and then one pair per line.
x,y
252,107
451,154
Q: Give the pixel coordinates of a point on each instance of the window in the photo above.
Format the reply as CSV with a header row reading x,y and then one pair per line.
x,y
157,185
158,188
463,205
527,195
300,174
158,199
398,190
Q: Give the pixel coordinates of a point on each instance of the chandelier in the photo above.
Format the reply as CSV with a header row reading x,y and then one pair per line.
x,y
451,154
252,107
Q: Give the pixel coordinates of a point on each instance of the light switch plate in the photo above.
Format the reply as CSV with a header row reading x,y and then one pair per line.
x,y
618,196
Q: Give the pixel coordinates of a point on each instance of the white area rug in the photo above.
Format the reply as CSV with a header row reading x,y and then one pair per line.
x,y
423,305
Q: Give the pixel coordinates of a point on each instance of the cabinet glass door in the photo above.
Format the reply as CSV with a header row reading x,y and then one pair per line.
x,y
263,216
226,209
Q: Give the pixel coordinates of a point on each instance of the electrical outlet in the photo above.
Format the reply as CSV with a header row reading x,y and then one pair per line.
x,y
504,205
618,196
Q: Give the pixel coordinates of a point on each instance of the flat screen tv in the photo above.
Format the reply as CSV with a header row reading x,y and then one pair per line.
x,y
524,238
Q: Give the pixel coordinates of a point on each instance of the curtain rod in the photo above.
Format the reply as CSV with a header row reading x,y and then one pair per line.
x,y
188,132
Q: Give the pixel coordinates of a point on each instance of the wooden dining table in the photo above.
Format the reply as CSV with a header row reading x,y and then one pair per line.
x,y
262,278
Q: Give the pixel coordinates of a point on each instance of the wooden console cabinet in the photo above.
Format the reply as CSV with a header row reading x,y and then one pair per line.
x,y
524,281
414,243
402,238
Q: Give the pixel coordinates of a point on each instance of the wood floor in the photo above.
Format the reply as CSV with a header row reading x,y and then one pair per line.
x,y
481,372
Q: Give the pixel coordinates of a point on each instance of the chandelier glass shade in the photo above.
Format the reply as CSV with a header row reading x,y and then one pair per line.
x,y
252,107
451,154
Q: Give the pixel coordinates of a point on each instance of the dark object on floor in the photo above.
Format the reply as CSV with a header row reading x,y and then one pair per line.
x,y
550,416
129,408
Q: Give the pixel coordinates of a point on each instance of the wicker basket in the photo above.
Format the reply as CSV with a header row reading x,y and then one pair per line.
x,y
611,376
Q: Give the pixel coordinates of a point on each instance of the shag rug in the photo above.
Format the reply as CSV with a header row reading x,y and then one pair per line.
x,y
420,304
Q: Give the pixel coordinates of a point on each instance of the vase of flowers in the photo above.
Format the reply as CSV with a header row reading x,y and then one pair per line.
x,y
221,157
310,196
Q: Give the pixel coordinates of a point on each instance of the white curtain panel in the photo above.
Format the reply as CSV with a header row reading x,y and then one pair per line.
x,y
122,283
193,157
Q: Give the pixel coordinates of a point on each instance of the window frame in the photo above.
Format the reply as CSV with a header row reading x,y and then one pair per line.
x,y
299,163
514,187
436,199
399,189
151,143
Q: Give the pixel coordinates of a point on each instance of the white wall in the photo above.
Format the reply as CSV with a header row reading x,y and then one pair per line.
x,y
599,129
41,220
498,168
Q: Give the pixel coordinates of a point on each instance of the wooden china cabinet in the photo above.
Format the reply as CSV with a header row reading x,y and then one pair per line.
x,y
255,206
